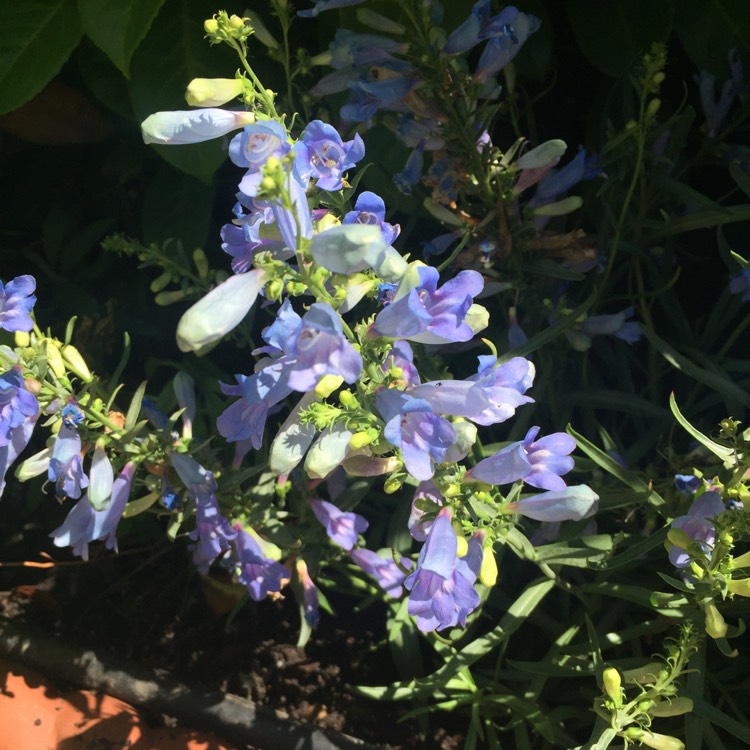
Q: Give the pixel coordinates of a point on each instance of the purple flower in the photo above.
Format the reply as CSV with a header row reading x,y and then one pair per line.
x,y
441,588
402,356
570,504
258,573
698,526
480,26
687,484
489,397
411,425
501,49
18,439
540,464
321,5
388,575
370,209
740,284
349,49
66,464
323,155
412,171
368,97
244,421
237,241
616,325
71,414
343,528
428,315
427,496
559,181
257,142
17,405
16,300
310,599
85,525
314,346
715,110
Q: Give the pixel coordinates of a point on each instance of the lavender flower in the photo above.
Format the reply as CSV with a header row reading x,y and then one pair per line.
x,y
539,463
423,313
370,209
18,439
323,155
17,405
571,504
411,425
258,573
16,301
310,599
441,588
501,49
740,284
192,126
66,465
697,526
321,5
616,325
388,575
480,26
84,525
368,97
257,143
343,528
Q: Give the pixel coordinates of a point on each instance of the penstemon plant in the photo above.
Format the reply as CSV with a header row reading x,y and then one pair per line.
x,y
372,438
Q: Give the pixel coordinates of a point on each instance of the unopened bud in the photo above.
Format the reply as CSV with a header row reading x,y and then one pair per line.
x,y
54,358
32,386
612,681
360,440
488,571
716,626
392,484
348,399
462,546
236,22
76,363
327,385
210,26
22,338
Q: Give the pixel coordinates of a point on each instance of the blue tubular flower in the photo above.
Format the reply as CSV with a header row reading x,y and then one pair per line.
x,y
184,389
343,528
489,397
540,464
245,420
192,126
18,439
412,171
616,325
388,575
310,599
402,356
370,209
500,50
16,301
323,155
740,284
369,97
321,5
258,573
349,49
242,247
556,182
687,484
85,525
17,405
257,142
411,131
571,504
698,526
480,26
428,315
441,588
411,425
315,346
66,465
715,111
71,414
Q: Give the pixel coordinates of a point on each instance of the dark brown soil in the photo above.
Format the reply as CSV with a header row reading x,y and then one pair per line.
x,y
149,606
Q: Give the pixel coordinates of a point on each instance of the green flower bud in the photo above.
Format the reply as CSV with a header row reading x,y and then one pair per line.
x,y
716,626
612,682
76,363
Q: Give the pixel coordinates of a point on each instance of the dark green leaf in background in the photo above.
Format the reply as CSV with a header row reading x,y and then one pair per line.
x,y
708,29
117,27
38,37
614,34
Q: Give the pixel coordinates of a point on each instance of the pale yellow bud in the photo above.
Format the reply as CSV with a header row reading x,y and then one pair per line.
x,y
716,626
22,338
54,358
76,363
327,385
212,92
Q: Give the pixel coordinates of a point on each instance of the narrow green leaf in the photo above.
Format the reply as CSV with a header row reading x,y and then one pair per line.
x,y
134,409
124,357
37,38
140,505
722,452
720,719
117,27
697,220
615,469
